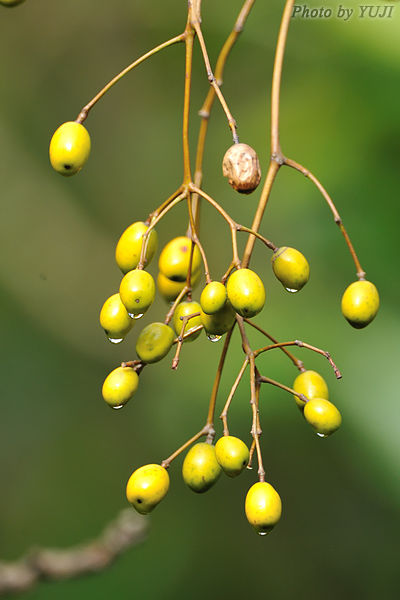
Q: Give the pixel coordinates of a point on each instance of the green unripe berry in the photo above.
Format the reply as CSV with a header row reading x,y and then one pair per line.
x,y
114,319
154,342
246,292
201,469
232,455
184,309
291,268
360,303
137,291
119,386
146,487
69,148
220,322
323,416
174,259
213,297
129,246
263,507
312,385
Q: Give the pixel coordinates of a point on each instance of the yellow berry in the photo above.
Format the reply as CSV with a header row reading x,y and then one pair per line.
x,y
129,246
184,309
220,322
119,386
115,320
146,487
291,268
69,148
201,469
174,259
170,290
263,507
232,454
246,292
360,303
312,385
213,297
137,291
154,342
323,416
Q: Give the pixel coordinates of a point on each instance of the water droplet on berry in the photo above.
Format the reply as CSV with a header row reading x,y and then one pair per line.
x,y
292,291
262,532
213,338
118,406
322,435
136,316
116,340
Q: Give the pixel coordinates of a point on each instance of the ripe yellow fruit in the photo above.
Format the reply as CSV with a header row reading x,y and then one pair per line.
x,y
119,386
146,487
114,319
184,309
246,292
360,303
323,416
232,454
312,385
291,268
213,297
200,469
137,290
154,342
69,148
220,322
170,290
129,246
263,507
174,259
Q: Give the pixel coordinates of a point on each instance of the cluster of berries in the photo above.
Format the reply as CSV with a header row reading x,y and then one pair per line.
x,y
239,295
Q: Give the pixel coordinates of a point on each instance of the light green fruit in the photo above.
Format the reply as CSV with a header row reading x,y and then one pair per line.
x,y
213,297
129,246
312,385
263,507
184,309
232,454
114,319
291,268
69,148
174,259
220,322
154,342
201,469
146,487
360,303
119,386
137,291
246,292
323,416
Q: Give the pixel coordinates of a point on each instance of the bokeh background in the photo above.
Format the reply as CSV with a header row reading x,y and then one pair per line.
x,y
65,457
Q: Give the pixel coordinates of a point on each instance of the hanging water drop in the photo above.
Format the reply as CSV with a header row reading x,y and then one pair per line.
x,y
291,290
213,338
116,340
262,532
133,316
117,406
323,435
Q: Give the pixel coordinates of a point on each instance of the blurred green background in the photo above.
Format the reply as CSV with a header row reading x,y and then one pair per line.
x,y
65,457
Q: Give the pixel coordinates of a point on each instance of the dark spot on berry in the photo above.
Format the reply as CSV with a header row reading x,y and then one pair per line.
x,y
67,167
139,500
137,300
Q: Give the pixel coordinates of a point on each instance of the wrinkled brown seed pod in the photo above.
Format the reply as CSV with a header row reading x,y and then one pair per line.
x,y
242,168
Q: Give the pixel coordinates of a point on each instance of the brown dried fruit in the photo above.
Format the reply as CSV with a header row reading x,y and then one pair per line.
x,y
242,168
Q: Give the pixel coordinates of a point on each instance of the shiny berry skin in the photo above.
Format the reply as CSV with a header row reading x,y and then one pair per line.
x,y
69,148
263,507
146,487
291,268
185,309
360,303
154,342
242,167
232,454
137,291
170,290
129,246
201,469
114,319
246,292
220,322
119,386
312,385
175,259
213,297
323,416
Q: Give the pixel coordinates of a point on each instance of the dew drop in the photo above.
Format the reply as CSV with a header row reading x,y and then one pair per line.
x,y
323,435
136,316
292,291
262,532
117,406
116,340
213,338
